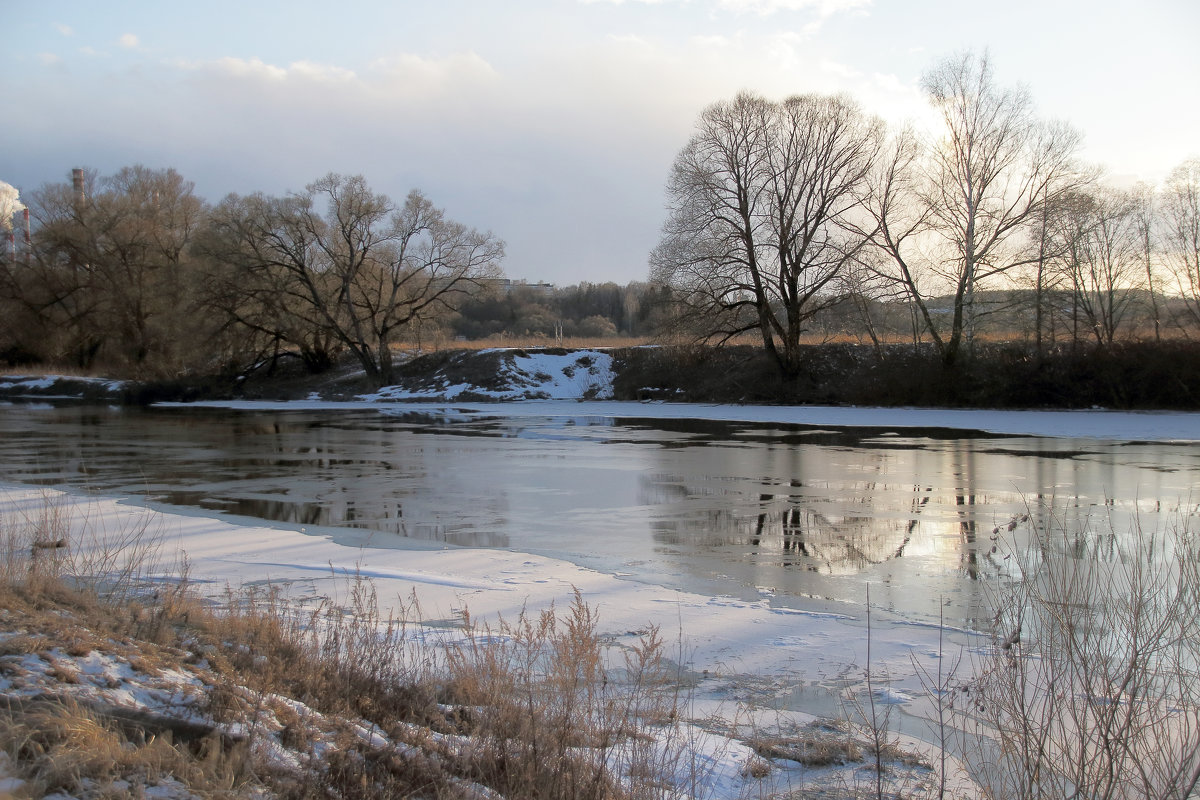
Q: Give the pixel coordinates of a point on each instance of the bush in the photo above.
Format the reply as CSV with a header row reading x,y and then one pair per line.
x,y
1090,686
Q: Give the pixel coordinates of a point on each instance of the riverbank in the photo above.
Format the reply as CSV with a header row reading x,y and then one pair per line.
x,y
1131,376
715,653
736,659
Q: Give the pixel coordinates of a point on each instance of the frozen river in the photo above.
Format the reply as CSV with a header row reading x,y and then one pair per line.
x,y
802,515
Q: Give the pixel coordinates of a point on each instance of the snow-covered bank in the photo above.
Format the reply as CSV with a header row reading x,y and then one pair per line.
x,y
1158,426
61,387
741,657
510,374
720,635
731,646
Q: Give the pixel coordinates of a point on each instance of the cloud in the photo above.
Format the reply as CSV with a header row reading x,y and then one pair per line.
x,y
230,66
824,8
49,59
841,70
434,73
313,71
128,40
714,41
65,30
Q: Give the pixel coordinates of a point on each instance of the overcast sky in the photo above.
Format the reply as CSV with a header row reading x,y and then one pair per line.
x,y
552,123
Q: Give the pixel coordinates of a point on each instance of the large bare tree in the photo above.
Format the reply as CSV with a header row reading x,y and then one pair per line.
x,y
1181,232
340,259
956,212
761,225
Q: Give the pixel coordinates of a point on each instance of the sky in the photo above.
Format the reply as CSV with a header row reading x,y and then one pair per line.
x,y
551,123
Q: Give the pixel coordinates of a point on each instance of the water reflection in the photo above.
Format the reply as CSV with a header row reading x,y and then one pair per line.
x,y
788,532
715,507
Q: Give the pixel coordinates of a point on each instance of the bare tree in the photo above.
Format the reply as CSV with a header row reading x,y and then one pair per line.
x,y
1181,232
263,310
1100,251
953,214
343,260
1145,216
111,275
763,199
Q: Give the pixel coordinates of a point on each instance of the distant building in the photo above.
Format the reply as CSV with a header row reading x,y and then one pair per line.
x,y
508,286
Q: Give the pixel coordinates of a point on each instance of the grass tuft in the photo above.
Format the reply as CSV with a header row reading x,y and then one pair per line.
x,y
326,699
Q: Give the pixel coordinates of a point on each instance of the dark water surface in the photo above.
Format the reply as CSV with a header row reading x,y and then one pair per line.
x,y
720,508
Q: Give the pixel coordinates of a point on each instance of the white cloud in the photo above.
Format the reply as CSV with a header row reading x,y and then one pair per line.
x,y
311,70
409,74
824,8
631,40
128,40
715,41
49,59
239,68
841,70
65,30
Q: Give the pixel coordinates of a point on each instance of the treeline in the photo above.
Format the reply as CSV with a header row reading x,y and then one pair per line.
x,y
782,213
135,275
541,311
789,223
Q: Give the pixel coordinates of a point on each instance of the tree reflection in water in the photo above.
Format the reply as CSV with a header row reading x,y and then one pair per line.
x,y
792,532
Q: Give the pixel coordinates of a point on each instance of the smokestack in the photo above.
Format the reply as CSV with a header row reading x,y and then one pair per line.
x,y
28,238
77,185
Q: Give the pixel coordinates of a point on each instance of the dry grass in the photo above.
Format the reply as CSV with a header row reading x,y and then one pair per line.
x,y
536,708
819,744
549,715
535,342
62,745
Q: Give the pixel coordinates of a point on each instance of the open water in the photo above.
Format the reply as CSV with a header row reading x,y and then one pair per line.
x,y
798,515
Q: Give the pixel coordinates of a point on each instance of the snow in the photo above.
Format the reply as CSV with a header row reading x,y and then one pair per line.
x,y
726,644
27,382
1155,426
732,648
546,376
48,381
545,384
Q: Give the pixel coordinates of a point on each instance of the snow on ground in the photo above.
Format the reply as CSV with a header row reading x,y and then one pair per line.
x,y
723,635
56,387
530,378
735,652
738,653
521,375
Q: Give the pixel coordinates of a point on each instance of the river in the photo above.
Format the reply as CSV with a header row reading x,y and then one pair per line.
x,y
803,515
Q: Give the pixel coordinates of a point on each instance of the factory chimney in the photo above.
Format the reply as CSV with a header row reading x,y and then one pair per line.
x,y
77,186
28,238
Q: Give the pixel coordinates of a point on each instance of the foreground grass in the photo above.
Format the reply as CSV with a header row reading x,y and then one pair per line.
x,y
116,685
119,682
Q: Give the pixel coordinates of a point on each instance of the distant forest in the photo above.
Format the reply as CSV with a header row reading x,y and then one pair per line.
x,y
133,275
